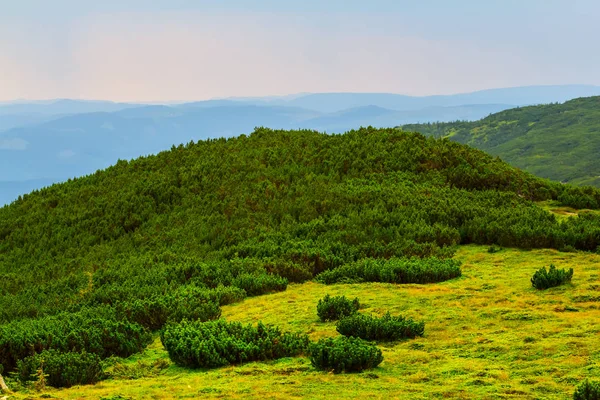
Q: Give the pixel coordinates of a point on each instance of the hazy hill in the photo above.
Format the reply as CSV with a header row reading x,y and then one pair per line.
x,y
332,102
556,141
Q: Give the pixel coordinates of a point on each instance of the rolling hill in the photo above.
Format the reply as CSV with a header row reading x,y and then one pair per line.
x,y
556,141
94,270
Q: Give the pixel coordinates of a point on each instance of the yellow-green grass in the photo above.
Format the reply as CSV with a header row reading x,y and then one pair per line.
x,y
488,335
561,211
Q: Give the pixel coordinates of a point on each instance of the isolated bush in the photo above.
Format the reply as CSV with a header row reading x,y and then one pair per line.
x,y
343,354
394,270
61,369
386,328
218,343
494,249
587,391
333,308
544,279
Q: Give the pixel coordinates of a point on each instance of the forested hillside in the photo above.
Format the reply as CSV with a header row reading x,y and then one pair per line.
x,y
92,265
555,141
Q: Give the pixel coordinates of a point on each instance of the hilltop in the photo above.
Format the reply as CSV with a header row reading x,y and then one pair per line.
x,y
556,141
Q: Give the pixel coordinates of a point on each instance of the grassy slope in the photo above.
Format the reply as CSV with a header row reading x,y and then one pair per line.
x,y
488,334
556,141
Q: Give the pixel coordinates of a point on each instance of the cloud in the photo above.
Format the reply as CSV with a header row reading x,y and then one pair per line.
x,y
68,153
13,144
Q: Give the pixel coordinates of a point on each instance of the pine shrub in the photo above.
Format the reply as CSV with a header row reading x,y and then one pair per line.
x,y
217,343
587,391
343,354
394,270
258,284
61,369
334,308
96,330
386,328
544,279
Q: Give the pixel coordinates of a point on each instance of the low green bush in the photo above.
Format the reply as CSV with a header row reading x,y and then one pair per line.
x,y
93,330
61,369
587,391
258,284
386,328
333,308
552,277
394,270
343,354
217,343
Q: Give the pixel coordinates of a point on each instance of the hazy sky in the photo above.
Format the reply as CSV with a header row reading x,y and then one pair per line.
x,y
163,50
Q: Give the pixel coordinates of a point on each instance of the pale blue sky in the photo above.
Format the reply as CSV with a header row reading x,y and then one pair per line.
x,y
167,50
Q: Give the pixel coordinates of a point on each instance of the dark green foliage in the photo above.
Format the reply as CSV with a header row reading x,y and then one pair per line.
x,y
218,343
552,277
334,308
257,284
556,141
61,369
587,391
96,331
494,249
394,270
343,354
386,328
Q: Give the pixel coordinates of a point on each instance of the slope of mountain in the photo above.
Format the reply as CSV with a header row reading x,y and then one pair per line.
x,y
556,141
89,267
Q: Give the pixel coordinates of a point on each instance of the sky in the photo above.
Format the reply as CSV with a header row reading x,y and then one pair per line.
x,y
182,50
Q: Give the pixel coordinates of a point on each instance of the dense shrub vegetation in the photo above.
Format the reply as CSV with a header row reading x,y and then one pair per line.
x,y
173,236
394,270
61,369
386,328
342,354
547,278
333,308
218,343
587,391
96,331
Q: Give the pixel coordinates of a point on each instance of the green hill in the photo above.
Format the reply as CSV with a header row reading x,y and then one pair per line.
x,y
556,141
94,268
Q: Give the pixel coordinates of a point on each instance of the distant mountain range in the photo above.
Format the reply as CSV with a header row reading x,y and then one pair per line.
x,y
555,141
50,141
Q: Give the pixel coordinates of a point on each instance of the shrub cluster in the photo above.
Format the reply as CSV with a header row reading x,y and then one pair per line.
x,y
334,308
258,284
217,343
394,270
386,328
188,302
544,279
343,354
96,331
61,369
587,391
